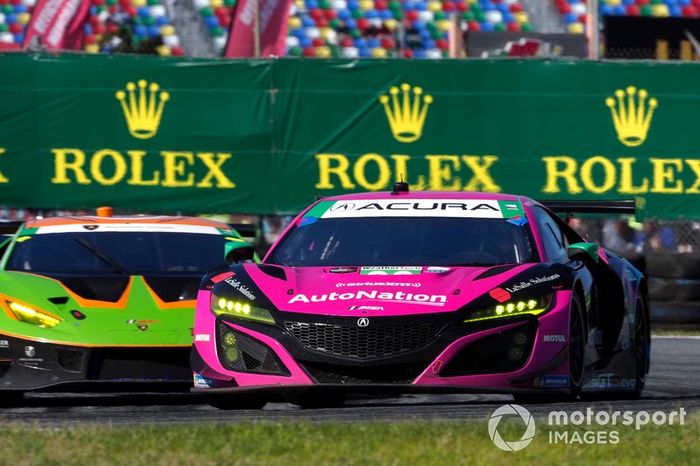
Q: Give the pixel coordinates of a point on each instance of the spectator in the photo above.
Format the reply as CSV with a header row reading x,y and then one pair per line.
x,y
654,238
618,236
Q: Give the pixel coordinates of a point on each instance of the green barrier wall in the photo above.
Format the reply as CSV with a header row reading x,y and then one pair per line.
x,y
269,136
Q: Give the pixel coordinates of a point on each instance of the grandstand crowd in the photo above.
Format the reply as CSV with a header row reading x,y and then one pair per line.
x,y
323,28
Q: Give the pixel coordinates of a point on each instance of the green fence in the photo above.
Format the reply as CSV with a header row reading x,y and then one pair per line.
x,y
145,133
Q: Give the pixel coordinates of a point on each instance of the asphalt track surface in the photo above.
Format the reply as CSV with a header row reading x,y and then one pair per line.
x,y
673,382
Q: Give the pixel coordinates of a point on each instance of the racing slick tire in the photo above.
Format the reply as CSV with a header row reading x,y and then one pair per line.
x,y
316,400
9,399
642,344
577,346
234,402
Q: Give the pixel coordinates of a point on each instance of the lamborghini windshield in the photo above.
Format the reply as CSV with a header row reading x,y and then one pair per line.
x,y
405,241
132,253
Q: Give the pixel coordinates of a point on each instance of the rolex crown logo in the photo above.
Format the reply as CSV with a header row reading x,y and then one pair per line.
x,y
406,113
631,115
142,105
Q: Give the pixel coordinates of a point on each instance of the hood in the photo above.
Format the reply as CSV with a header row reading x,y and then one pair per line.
x,y
102,311
382,291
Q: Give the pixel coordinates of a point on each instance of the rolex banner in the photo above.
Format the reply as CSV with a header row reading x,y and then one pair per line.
x,y
166,135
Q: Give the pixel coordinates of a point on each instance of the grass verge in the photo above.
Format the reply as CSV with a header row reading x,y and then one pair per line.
x,y
377,443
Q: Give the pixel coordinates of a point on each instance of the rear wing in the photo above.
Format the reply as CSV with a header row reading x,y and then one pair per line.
x,y
621,206
9,227
246,230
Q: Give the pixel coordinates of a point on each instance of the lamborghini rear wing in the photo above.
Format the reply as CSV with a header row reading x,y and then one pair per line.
x,y
9,227
246,230
621,206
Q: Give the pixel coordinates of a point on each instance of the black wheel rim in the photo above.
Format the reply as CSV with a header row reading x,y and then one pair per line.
x,y
640,337
576,346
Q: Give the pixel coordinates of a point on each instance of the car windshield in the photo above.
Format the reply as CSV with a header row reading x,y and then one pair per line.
x,y
137,253
405,241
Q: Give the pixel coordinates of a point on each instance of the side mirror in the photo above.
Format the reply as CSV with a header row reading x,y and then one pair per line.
x,y
583,251
238,251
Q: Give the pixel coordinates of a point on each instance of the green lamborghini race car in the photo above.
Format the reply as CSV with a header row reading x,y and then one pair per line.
x,y
102,302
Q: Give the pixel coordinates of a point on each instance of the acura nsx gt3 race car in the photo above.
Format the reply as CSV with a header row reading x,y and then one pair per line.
x,y
99,300
422,292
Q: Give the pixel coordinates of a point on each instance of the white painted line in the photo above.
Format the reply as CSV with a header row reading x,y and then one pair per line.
x,y
678,337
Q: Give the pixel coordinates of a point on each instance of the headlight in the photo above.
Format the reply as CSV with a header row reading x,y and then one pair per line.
x,y
240,309
33,316
533,306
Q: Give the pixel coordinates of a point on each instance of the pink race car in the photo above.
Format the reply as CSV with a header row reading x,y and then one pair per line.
x,y
423,292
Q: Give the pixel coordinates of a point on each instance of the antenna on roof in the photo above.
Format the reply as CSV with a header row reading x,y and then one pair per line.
x,y
104,211
399,187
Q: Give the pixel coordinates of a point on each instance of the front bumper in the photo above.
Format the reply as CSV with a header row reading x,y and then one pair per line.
x,y
31,365
498,356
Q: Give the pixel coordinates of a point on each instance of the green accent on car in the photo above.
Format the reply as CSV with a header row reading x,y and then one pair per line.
x,y
319,209
511,209
591,249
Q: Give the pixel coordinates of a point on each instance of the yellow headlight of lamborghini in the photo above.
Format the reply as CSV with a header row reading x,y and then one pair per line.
x,y
34,316
240,309
532,306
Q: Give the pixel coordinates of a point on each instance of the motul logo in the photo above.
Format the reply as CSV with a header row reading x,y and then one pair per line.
x,y
554,339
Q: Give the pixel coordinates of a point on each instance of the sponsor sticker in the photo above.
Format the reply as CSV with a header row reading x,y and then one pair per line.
x,y
533,281
436,269
222,276
381,270
554,381
202,382
202,337
606,381
500,295
4,344
457,208
554,338
242,289
342,269
366,308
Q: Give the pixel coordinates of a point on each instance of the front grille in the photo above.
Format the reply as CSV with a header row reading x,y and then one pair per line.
x,y
363,342
70,360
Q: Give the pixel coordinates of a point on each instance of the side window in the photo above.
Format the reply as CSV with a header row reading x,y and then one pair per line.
x,y
553,239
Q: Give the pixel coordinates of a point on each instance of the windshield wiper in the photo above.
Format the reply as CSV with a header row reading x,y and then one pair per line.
x,y
116,266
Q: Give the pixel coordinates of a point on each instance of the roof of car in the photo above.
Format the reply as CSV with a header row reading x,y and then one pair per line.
x,y
429,195
142,219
